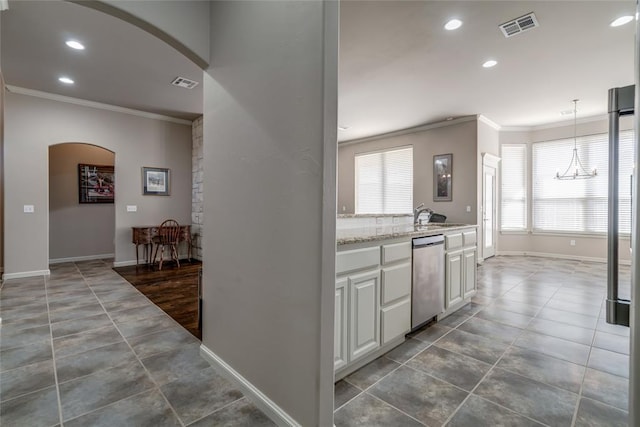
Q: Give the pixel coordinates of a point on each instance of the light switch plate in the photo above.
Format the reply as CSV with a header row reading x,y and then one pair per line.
x,y
468,208
29,209
132,208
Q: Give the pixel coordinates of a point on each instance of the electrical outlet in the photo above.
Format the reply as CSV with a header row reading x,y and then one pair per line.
x,y
132,208
344,208
572,242
29,209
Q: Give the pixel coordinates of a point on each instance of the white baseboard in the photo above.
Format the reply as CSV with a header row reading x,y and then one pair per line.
x,y
266,405
23,274
561,256
127,263
80,258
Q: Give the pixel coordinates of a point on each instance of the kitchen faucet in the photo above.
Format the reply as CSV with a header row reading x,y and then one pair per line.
x,y
417,211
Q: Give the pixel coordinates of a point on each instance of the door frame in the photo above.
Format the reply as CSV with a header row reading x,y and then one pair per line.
x,y
489,161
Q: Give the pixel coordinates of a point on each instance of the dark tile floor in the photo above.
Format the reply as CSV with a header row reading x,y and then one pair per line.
x,y
531,349
83,347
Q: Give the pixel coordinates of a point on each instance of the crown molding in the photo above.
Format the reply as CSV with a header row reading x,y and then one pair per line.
x,y
410,130
487,121
516,129
564,123
93,104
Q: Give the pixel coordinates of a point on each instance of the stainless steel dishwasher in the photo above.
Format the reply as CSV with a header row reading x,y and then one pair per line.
x,y
427,294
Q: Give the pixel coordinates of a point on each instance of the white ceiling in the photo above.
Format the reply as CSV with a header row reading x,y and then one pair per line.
x,y
398,67
122,65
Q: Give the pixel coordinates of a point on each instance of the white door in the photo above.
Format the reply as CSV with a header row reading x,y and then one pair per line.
x,y
489,229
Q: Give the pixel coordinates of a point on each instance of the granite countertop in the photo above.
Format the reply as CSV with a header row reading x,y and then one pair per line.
x,y
369,234
371,215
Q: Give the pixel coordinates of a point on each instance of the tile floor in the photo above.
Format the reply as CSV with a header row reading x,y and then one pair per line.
x,y
532,349
84,348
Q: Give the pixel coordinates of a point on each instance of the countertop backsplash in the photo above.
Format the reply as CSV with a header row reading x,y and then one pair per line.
x,y
346,221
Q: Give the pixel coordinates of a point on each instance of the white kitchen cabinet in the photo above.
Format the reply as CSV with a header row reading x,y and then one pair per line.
x,y
341,323
396,282
453,278
373,303
460,268
396,320
364,308
469,261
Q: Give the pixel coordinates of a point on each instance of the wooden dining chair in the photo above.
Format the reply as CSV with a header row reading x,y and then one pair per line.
x,y
168,237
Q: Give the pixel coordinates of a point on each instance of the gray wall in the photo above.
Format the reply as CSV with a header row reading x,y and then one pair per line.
x,y
270,124
459,138
75,229
1,171
559,245
33,124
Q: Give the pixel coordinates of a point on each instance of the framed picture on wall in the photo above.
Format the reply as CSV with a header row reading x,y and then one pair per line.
x,y
96,184
155,181
442,177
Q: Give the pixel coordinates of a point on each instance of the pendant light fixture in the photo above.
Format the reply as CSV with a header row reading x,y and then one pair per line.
x,y
576,170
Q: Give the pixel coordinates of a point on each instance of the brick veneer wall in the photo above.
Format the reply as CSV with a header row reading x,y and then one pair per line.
x,y
197,181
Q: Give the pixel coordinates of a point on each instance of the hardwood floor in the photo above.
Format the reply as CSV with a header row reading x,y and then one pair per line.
x,y
174,290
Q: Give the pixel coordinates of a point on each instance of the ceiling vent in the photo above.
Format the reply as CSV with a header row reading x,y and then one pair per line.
x,y
519,25
185,83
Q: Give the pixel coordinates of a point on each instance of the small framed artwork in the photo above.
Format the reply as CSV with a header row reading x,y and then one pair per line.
x,y
155,181
442,177
96,184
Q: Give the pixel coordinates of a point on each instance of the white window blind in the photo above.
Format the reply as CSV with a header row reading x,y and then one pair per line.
x,y
579,206
384,182
514,187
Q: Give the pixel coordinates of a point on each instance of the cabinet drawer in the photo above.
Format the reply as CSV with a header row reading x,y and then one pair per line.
x,y
357,259
396,252
396,320
396,282
469,237
453,241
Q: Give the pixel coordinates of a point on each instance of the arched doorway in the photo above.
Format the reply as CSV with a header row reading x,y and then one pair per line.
x,y
80,227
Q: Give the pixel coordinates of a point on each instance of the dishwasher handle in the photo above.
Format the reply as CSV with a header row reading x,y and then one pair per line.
x,y
420,242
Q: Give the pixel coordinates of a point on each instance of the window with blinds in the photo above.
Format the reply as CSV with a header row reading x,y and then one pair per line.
x,y
384,182
579,206
514,187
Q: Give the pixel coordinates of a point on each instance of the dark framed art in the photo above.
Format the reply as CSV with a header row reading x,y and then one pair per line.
x,y
442,177
155,181
96,184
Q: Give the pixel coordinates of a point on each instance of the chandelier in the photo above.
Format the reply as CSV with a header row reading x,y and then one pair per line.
x,y
576,170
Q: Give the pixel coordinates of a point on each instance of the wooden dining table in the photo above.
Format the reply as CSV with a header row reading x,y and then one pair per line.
x,y
143,235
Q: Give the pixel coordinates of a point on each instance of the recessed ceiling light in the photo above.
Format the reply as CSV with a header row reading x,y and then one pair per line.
x,y
343,127
66,80
622,20
454,24
490,63
73,44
